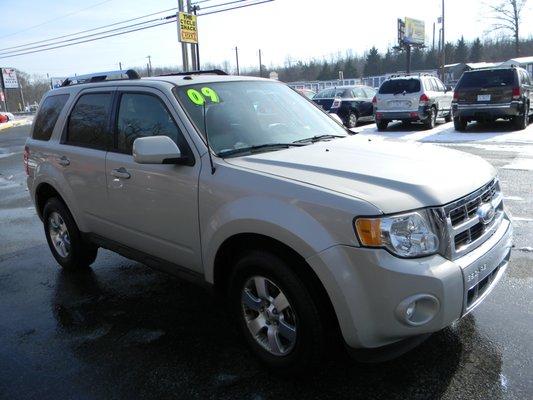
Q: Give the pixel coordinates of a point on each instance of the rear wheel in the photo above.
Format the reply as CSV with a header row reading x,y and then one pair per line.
x,y
64,237
351,120
431,120
521,121
277,313
459,124
382,125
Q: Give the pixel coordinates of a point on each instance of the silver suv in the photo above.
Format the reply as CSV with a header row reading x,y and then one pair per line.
x,y
311,234
412,98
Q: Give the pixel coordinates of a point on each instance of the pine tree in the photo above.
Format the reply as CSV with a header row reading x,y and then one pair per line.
x,y
476,52
373,63
461,51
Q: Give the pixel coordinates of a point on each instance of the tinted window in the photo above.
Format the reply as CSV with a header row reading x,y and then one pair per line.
x,y
396,86
141,115
47,117
488,78
88,121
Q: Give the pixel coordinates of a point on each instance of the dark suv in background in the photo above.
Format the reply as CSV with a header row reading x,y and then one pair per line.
x,y
488,94
351,103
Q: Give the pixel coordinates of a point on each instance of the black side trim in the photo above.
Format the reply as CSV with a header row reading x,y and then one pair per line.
x,y
149,260
388,352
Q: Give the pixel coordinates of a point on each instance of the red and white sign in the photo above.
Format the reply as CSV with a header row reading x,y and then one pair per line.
x,y
9,76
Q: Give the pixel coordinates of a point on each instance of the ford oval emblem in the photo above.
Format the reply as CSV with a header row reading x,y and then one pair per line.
x,y
486,213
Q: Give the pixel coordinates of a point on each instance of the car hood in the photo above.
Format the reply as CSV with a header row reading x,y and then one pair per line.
x,y
392,175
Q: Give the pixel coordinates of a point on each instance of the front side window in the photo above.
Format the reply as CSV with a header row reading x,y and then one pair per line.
x,y
47,117
141,115
244,114
88,124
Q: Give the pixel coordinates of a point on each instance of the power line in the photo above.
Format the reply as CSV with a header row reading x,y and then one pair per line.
x,y
221,4
235,8
89,30
91,40
85,36
55,19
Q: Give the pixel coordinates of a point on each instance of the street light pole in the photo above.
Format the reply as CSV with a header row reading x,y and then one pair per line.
x,y
237,59
260,65
443,54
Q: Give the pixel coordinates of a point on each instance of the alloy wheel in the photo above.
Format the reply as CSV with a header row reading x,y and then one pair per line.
x,y
59,235
269,316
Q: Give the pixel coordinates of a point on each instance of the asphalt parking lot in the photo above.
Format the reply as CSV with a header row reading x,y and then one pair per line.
x,y
125,331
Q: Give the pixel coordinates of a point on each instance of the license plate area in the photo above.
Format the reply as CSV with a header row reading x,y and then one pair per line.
x,y
483,97
399,103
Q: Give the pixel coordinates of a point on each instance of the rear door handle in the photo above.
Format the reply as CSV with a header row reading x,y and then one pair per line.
x,y
64,161
120,173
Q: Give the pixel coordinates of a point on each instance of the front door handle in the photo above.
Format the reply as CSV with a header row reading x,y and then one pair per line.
x,y
64,161
120,173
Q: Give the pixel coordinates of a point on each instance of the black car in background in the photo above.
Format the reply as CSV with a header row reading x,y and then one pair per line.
x,y
351,103
485,95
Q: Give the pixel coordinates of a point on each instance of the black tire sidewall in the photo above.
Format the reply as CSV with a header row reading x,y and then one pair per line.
x,y
308,349
348,120
81,254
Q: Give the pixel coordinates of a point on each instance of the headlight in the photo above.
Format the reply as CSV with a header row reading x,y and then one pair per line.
x,y
405,235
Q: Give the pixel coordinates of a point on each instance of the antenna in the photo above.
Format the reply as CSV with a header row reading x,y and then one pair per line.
x,y
213,169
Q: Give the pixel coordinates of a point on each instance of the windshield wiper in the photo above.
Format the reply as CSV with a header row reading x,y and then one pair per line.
x,y
257,148
318,138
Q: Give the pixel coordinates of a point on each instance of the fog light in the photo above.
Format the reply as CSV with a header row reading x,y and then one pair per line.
x,y
418,309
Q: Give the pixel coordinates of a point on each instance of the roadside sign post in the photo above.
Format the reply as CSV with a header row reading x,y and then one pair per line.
x,y
411,33
188,34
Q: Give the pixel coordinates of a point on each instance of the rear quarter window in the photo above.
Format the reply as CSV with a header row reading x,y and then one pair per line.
x,y
396,86
47,117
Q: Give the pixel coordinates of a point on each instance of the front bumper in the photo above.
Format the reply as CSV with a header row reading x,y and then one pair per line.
x,y
367,286
487,111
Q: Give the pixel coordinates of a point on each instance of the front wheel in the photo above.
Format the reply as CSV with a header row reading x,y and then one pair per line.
x,y
278,314
64,238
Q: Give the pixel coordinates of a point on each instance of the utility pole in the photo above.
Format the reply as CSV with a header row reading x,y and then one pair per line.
x,y
150,72
194,67
196,46
237,59
260,65
184,49
120,66
433,43
443,54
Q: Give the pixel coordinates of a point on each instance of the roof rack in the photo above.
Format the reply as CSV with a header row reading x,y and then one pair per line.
x,y
410,74
201,72
101,77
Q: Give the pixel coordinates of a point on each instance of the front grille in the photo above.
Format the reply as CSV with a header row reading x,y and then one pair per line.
x,y
465,228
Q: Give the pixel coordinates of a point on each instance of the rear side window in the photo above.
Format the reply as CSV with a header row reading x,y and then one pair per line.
x,y
397,86
88,124
47,117
142,115
488,78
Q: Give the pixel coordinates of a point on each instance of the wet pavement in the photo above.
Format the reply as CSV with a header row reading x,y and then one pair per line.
x,y
122,330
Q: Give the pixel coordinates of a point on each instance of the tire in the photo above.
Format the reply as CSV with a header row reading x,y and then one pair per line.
x,y
382,125
70,250
286,351
351,120
521,122
448,118
459,124
431,120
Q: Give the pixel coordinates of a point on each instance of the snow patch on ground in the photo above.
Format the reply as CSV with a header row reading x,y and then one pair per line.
x,y
523,219
513,198
520,163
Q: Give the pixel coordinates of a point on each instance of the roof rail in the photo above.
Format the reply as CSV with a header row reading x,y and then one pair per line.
x,y
410,74
201,72
101,76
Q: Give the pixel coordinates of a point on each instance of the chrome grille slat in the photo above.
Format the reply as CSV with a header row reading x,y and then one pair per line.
x,y
464,228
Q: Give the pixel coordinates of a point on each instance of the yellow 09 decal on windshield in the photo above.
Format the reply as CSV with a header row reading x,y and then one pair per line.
x,y
199,97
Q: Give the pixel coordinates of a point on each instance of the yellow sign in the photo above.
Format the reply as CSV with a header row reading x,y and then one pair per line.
x,y
187,28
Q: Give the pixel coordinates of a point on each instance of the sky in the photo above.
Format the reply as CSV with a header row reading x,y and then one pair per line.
x,y
283,30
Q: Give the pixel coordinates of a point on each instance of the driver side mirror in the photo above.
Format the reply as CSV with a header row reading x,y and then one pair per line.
x,y
449,88
157,150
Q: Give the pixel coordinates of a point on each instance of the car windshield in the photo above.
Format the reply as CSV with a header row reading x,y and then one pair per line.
x,y
395,86
489,78
245,114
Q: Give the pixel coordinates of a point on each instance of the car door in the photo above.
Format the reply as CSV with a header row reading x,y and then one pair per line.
x,y
446,96
153,208
82,152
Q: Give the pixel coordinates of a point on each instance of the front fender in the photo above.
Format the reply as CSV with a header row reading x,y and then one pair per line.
x,y
279,220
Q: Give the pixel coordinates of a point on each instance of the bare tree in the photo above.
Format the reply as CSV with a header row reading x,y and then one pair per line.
x,y
507,15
